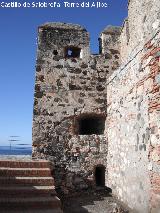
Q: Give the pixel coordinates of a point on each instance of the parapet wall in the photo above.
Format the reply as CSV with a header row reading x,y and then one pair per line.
x,y
133,111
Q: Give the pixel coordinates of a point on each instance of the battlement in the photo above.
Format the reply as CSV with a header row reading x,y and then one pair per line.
x,y
110,40
62,26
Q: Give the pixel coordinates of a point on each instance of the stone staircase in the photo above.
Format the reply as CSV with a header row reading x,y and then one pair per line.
x,y
27,186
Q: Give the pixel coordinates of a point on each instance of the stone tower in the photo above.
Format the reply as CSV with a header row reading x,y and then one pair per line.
x,y
70,103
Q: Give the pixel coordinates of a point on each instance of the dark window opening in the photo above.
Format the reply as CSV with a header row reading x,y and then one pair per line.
x,y
55,52
89,125
72,52
100,176
74,158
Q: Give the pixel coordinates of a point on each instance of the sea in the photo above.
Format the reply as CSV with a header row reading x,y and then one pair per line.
x,y
15,150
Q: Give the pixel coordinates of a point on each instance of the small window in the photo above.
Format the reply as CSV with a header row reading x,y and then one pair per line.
x,y
90,124
72,52
55,52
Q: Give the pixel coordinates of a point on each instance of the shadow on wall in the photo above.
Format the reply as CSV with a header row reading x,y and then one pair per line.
x,y
70,182
80,194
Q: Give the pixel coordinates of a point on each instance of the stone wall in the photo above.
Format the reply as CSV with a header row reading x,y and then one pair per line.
x,y
72,88
142,23
69,88
133,105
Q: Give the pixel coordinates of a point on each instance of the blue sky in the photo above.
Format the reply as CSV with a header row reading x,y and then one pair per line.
x,y
18,33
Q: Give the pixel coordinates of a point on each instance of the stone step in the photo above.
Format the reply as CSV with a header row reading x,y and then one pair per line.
x,y
42,181
27,186
25,172
26,191
25,164
29,203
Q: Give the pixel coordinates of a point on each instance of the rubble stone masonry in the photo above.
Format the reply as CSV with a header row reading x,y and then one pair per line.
x,y
133,111
70,93
102,111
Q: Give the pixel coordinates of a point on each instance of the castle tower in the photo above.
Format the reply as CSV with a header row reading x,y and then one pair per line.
x,y
70,106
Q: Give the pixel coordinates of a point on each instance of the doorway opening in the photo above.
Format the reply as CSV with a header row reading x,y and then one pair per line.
x,y
100,175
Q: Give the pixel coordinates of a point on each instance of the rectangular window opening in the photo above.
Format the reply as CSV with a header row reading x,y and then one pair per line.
x,y
72,52
90,124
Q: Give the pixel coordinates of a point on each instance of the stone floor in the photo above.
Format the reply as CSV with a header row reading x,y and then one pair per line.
x,y
99,201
